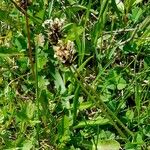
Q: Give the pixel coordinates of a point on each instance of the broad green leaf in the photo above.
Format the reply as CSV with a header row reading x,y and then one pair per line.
x,y
30,110
98,121
72,2
121,84
42,60
40,14
111,86
63,130
27,145
130,114
136,13
74,32
120,5
107,145
43,82
139,139
60,85
8,53
85,105
137,1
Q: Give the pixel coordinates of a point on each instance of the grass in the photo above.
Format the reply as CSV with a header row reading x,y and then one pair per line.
x,y
76,77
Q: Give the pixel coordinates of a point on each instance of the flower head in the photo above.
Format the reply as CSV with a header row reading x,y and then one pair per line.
x,y
64,51
53,29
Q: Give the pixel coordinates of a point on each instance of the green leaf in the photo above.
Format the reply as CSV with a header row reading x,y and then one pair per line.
x,y
98,121
137,1
85,105
145,24
74,32
82,66
111,86
72,2
5,17
27,145
42,60
1,80
136,13
30,110
120,5
1,117
59,82
107,145
139,139
43,83
76,8
5,51
130,114
40,14
122,84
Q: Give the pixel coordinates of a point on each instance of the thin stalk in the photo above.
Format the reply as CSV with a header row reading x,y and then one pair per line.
x,y
18,7
29,44
75,104
24,11
132,36
35,75
37,93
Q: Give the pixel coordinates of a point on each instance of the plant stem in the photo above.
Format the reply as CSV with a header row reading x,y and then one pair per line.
x,y
102,108
103,105
29,44
24,11
37,94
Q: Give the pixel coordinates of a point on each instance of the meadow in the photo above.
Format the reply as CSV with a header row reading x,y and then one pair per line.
x,y
75,75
